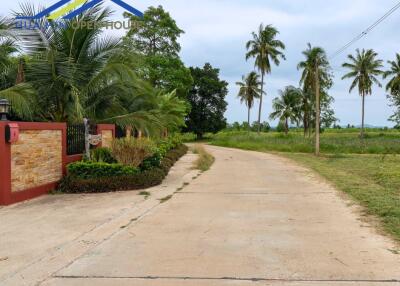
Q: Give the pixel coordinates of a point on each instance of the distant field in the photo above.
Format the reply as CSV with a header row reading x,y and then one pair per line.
x,y
332,142
368,170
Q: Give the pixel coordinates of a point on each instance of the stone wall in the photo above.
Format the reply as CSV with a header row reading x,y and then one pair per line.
x,y
36,159
107,138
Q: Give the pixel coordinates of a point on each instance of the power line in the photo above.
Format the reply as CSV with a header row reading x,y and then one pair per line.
x,y
365,32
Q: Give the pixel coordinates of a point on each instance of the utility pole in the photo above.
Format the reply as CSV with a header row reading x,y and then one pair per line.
x,y
317,116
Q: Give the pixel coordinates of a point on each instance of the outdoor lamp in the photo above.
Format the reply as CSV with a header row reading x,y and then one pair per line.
x,y
4,109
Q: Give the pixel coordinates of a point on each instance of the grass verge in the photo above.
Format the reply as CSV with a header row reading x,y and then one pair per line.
x,y
205,160
371,180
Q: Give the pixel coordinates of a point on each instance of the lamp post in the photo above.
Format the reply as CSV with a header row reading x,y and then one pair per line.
x,y
4,109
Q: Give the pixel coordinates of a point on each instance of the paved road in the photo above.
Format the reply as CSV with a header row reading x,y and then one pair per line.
x,y
253,219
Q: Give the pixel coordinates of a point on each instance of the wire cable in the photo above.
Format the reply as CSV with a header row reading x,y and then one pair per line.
x,y
365,32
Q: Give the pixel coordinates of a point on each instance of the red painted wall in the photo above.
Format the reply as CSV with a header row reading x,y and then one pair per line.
x,y
6,196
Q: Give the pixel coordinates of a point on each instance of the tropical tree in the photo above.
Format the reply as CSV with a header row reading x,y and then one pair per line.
x,y
11,84
287,107
364,69
154,37
249,90
266,49
79,73
7,44
393,87
315,75
207,101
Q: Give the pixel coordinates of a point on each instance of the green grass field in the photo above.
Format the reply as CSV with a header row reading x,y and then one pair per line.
x,y
348,142
368,171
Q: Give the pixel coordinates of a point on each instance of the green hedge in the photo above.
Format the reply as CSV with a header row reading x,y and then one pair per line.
x,y
102,155
94,170
138,180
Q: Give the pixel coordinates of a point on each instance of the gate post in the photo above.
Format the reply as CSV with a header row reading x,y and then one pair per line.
x,y
5,167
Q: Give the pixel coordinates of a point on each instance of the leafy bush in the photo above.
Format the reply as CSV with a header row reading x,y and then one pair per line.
x,y
169,160
151,162
131,151
136,181
93,170
102,155
75,182
166,144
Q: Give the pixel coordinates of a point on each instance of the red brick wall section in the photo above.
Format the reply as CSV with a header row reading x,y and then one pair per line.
x,y
8,197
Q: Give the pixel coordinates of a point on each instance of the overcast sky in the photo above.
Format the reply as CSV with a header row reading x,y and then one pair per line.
x,y
217,30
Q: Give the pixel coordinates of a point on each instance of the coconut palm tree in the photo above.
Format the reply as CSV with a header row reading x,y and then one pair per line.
x,y
287,107
393,85
315,73
79,73
364,69
20,95
249,90
266,49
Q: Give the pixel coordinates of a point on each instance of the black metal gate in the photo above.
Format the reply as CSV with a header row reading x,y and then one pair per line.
x,y
120,132
75,139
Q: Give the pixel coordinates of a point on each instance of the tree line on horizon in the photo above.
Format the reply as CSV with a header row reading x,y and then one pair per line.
x,y
309,105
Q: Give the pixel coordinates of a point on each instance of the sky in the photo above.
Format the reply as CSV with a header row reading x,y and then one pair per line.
x,y
216,31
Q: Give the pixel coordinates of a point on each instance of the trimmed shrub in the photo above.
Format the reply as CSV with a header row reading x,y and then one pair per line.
x,y
163,147
75,182
93,170
136,181
102,155
151,162
171,142
172,156
131,151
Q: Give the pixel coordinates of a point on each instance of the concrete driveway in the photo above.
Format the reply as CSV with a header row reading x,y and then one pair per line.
x,y
253,219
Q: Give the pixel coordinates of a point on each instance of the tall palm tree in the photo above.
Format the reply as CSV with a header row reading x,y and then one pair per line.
x,y
265,48
315,73
393,85
364,69
249,90
287,107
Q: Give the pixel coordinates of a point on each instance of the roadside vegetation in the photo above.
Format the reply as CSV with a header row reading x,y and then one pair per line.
x,y
332,141
371,180
366,169
108,170
205,160
362,162
70,72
